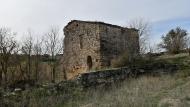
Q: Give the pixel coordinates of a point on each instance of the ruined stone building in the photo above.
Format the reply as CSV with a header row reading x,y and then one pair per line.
x,y
93,45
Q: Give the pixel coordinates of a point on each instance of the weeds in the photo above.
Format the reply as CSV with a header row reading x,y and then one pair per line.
x,y
144,91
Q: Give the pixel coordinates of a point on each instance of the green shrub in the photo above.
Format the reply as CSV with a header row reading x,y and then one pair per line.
x,y
183,73
120,61
126,60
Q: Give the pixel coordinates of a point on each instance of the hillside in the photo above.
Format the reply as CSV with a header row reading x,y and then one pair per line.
x,y
146,91
165,90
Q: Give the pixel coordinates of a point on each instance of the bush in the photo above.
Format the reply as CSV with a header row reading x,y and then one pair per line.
x,y
126,60
120,61
175,40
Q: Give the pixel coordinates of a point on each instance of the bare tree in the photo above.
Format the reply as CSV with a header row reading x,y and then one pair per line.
x,y
144,28
14,62
37,50
7,46
53,43
27,50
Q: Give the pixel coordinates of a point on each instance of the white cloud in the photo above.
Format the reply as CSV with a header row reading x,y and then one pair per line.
x,y
40,14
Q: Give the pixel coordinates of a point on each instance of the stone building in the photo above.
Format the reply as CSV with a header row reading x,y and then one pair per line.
x,y
93,45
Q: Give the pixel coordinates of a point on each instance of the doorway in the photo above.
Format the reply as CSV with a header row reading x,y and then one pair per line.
x,y
89,62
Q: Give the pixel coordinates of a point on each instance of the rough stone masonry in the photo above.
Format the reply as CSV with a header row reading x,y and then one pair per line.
x,y
90,45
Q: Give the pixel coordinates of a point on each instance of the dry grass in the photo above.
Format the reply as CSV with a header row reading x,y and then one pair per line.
x,y
143,92
174,56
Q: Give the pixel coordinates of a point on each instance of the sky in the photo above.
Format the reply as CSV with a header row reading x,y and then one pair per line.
x,y
40,15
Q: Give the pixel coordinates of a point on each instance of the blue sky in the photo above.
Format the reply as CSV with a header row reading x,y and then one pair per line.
x,y
39,15
163,26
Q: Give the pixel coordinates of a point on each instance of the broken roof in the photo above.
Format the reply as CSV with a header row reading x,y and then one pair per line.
x,y
97,22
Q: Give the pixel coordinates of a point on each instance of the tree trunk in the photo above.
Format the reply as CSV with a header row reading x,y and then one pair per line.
x,y
36,75
36,71
53,74
5,78
29,67
1,77
6,70
3,72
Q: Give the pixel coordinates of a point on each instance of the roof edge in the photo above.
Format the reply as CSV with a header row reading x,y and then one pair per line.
x,y
99,22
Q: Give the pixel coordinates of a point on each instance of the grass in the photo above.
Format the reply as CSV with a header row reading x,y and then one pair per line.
x,y
183,60
144,91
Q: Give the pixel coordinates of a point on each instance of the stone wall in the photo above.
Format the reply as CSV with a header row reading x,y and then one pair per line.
x,y
105,77
81,41
115,41
92,45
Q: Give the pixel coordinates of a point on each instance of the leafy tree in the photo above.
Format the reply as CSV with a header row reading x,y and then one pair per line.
x,y
174,40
